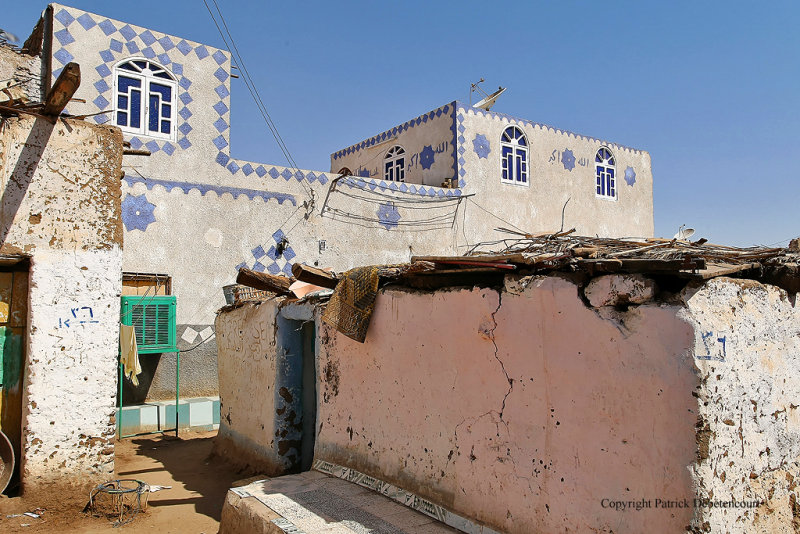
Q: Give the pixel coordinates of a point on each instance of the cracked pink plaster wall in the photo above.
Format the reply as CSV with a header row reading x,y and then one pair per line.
x,y
521,410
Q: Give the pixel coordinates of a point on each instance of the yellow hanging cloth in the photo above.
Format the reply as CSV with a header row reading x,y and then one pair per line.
x,y
129,354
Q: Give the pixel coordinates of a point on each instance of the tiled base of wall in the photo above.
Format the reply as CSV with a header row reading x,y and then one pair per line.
x,y
403,497
197,414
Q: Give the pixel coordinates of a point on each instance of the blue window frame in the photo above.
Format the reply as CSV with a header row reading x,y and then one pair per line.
x,y
394,164
144,95
605,173
514,156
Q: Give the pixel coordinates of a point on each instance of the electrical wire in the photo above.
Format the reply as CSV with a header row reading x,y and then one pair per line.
x,y
251,87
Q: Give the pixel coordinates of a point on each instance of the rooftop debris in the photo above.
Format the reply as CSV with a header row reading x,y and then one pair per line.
x,y
488,263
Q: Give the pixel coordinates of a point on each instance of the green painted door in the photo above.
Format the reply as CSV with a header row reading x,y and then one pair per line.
x,y
13,317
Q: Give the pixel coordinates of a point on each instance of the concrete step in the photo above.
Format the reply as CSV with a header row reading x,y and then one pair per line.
x,y
314,502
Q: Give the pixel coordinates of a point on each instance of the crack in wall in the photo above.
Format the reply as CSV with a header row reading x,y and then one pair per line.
x,y
496,351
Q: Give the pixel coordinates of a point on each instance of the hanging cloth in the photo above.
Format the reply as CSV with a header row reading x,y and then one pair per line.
x,y
129,354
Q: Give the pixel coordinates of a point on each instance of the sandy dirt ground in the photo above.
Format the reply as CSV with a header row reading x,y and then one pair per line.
x,y
193,505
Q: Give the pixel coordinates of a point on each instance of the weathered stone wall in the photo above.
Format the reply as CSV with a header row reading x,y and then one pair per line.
x,y
538,413
747,351
248,367
22,71
60,205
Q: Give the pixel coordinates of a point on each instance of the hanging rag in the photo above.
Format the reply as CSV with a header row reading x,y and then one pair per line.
x,y
352,302
129,354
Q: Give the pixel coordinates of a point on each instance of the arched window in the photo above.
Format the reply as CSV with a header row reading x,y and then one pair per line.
x,y
144,94
605,171
394,164
514,152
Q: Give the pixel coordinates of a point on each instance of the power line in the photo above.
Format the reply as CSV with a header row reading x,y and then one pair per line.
x,y
251,87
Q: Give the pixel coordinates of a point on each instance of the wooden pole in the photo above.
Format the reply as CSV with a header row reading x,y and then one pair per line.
x,y
312,275
62,91
264,281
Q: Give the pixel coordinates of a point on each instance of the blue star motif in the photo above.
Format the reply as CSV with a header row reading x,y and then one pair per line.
x,y
481,146
630,176
137,212
388,215
426,157
568,159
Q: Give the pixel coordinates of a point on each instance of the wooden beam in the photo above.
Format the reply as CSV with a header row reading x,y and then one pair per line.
x,y
264,281
312,275
62,91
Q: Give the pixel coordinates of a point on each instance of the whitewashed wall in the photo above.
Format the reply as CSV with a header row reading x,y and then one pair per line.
x,y
61,195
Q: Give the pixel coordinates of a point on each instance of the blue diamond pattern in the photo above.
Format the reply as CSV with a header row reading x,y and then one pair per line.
x,y
221,75
220,108
242,265
186,98
222,159
100,102
63,57
287,174
185,128
169,148
247,169
261,171
185,83
273,268
289,254
278,235
220,142
147,37
108,27
101,86
258,266
287,269
311,177
177,68
185,113
132,47
152,146
103,71
201,52
136,143
64,37
272,253
64,17
100,119
115,45
233,167
322,179
107,56
184,47
222,91
219,57
220,125
258,252
164,59
184,143
167,43
148,52
274,173
127,32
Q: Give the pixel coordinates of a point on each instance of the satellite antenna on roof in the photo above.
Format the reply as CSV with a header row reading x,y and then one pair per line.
x,y
488,101
683,233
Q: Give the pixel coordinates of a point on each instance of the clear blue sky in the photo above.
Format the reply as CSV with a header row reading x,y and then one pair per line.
x,y
710,89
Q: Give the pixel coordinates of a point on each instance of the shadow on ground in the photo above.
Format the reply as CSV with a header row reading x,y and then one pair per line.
x,y
185,461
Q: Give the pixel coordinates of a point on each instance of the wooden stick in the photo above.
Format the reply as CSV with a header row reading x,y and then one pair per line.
x,y
312,275
60,94
264,281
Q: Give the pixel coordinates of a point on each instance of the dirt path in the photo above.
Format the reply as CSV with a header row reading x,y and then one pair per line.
x,y
193,505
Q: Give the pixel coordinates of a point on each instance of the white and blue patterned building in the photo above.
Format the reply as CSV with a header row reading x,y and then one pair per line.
x,y
195,212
